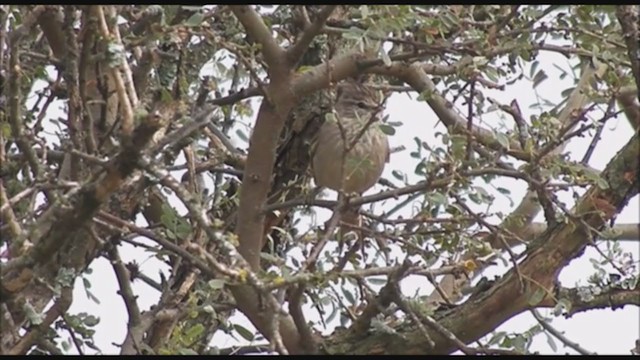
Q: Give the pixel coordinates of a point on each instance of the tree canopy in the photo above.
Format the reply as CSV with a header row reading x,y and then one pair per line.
x,y
185,131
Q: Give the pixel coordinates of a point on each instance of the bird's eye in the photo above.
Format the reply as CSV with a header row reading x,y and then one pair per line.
x,y
361,105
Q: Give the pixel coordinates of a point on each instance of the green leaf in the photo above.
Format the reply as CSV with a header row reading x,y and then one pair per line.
x,y
195,331
34,317
566,92
244,332
537,297
491,73
497,337
93,298
539,78
364,11
563,306
385,57
552,343
5,129
332,315
437,199
349,296
602,183
194,20
91,320
503,140
534,67
388,130
242,135
482,192
191,8
376,281
86,283
186,351
215,284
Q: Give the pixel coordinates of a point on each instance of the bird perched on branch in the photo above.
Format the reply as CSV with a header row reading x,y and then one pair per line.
x,y
351,150
355,105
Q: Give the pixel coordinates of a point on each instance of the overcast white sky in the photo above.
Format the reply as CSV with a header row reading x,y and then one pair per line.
x,y
604,332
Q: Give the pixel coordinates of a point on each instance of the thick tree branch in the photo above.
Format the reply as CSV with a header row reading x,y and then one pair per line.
x,y
486,310
619,232
628,101
586,298
628,17
127,101
256,29
295,52
50,22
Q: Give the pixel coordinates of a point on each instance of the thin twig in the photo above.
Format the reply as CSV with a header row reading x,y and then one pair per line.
x,y
558,335
295,52
126,291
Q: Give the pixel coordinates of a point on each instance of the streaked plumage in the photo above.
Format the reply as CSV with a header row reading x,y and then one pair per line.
x,y
357,107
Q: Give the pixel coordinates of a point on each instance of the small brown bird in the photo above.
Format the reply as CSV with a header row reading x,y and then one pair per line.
x,y
351,150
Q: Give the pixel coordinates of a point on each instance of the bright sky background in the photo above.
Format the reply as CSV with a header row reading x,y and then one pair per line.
x,y
604,332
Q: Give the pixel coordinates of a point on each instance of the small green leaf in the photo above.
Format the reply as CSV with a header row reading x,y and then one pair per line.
x,y
332,315
536,297
215,284
244,332
602,183
195,331
331,117
563,306
242,135
91,320
388,130
364,11
86,283
552,343
376,281
539,78
186,351
194,20
497,337
5,129
34,317
349,296
437,199
503,140
534,67
190,8
385,57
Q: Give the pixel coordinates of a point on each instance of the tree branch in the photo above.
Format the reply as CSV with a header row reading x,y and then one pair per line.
x,y
558,335
628,101
252,22
620,232
124,281
32,336
628,17
488,309
583,299
295,52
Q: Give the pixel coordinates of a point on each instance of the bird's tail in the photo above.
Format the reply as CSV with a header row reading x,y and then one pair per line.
x,y
350,221
351,227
